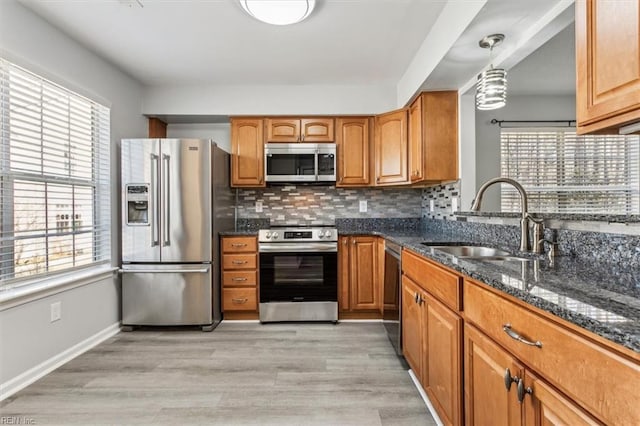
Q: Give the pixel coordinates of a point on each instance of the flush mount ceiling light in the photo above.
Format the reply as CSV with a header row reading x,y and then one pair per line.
x,y
279,12
491,87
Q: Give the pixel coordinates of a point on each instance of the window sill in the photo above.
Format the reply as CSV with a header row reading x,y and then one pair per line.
x,y
48,286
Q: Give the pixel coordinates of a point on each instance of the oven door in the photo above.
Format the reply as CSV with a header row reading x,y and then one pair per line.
x,y
298,276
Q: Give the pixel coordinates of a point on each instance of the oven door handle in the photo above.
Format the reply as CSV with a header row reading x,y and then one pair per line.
x,y
297,247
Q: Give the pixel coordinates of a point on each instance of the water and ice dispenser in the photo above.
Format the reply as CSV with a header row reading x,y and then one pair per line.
x,y
137,204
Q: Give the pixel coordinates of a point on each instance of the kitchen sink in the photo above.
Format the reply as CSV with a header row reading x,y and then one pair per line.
x,y
469,251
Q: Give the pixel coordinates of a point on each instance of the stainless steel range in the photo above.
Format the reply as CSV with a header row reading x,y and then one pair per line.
x,y
298,274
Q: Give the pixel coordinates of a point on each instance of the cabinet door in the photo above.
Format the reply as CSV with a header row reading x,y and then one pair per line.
x,y
608,63
344,268
283,130
317,130
391,148
247,152
364,291
416,151
380,273
440,133
442,373
487,401
545,406
353,151
412,325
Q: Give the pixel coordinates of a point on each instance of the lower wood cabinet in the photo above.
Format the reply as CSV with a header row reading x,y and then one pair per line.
x,y
432,336
239,277
358,280
589,376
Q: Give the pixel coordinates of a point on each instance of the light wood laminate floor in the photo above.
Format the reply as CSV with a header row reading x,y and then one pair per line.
x,y
239,374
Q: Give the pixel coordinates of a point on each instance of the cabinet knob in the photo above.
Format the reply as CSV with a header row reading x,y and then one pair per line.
x,y
509,379
522,391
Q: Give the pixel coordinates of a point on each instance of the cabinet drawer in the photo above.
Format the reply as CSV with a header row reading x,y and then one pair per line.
x,y
239,299
239,244
443,284
239,278
239,261
602,381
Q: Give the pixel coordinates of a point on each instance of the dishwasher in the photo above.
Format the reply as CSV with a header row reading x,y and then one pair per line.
x,y
391,311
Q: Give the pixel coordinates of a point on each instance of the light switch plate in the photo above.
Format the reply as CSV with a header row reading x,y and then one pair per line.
x,y
56,311
363,206
258,206
454,204
432,205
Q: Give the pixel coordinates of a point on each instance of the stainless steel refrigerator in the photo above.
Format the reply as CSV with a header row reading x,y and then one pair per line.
x,y
175,199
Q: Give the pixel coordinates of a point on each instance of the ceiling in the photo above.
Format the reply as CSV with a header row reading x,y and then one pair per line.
x,y
342,42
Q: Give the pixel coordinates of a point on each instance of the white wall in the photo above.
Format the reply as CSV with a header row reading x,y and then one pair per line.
x,y
28,339
219,132
487,148
268,100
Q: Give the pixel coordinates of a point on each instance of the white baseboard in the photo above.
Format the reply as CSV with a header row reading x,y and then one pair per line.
x,y
25,379
425,398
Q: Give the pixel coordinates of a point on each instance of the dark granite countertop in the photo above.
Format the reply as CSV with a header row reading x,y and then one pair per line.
x,y
244,233
600,297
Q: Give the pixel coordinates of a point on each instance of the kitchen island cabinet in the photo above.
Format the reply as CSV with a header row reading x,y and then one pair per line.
x,y
239,277
607,65
247,152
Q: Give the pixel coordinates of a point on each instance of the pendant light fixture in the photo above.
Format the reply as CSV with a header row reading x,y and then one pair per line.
x,y
491,87
279,12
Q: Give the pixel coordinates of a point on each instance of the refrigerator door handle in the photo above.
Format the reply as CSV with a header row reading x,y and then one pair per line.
x,y
166,210
155,225
164,271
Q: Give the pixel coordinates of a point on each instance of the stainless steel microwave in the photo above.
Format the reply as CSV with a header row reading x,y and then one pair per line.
x,y
300,162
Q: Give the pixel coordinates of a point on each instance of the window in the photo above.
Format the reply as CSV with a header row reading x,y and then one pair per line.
x,y
54,181
566,173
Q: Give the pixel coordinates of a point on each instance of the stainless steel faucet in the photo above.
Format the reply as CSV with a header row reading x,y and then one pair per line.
x,y
524,204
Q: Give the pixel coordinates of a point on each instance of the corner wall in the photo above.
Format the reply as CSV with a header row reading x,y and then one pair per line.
x,y
28,338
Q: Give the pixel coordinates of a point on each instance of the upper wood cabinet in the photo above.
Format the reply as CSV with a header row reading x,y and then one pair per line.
x,y
607,65
247,152
391,148
354,154
300,129
433,137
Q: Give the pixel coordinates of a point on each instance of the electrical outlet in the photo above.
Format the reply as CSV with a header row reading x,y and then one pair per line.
x,y
56,311
258,206
363,206
454,204
432,205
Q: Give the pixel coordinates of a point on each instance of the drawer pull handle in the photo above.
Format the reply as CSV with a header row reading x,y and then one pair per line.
x,y
509,379
515,336
238,245
240,301
239,262
522,391
238,279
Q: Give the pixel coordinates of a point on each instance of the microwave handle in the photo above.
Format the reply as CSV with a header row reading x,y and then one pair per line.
x,y
315,166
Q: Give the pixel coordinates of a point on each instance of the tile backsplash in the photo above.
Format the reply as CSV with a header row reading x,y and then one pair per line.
x,y
442,196
322,205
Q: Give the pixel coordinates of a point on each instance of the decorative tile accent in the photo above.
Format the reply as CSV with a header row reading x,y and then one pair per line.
x,y
441,196
322,205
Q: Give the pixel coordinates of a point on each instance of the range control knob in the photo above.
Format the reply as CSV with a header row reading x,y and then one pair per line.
x,y
274,235
268,234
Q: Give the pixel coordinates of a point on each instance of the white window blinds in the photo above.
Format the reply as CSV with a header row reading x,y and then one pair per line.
x,y
54,182
566,173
